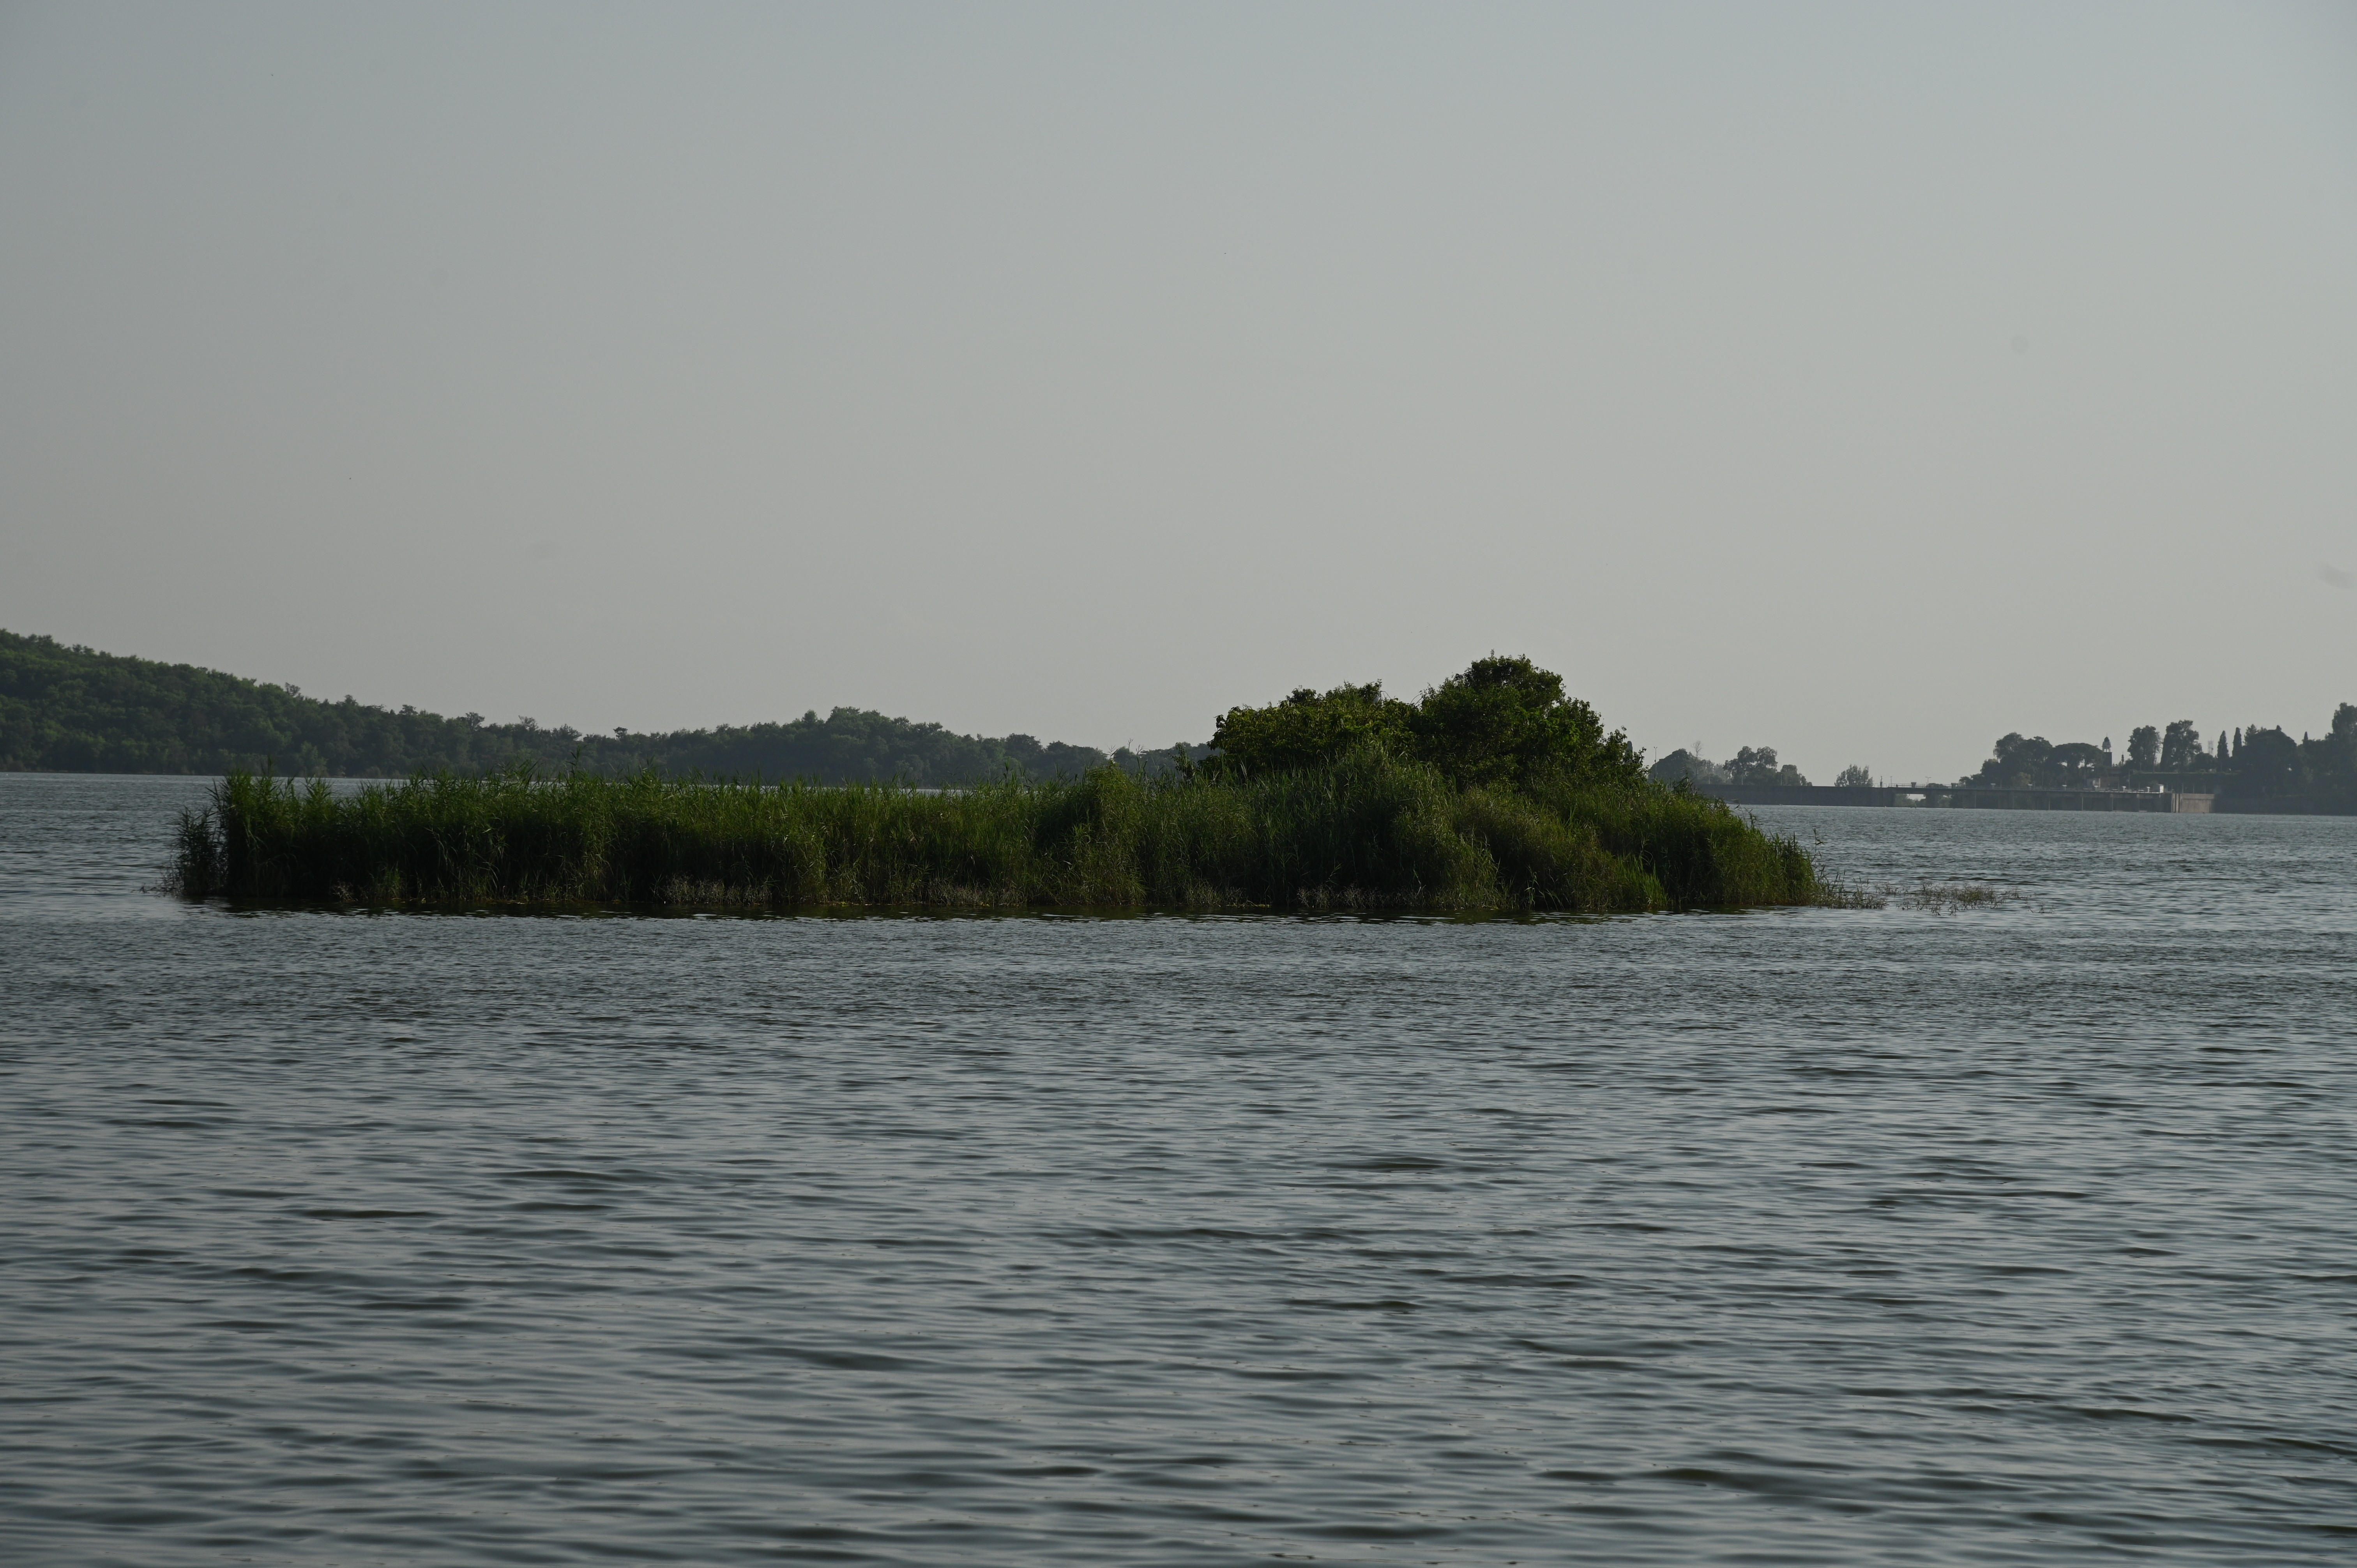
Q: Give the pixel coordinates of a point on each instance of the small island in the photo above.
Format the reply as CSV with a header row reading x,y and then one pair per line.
x,y
1493,791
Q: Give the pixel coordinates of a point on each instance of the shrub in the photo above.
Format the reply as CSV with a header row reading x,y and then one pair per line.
x,y
1502,721
1309,729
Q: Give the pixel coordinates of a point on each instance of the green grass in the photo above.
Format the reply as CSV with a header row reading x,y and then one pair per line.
x,y
1368,832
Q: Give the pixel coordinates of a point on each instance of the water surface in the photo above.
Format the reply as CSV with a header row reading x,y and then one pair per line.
x,y
2019,1234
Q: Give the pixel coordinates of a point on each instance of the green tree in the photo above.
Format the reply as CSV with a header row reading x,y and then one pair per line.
x,y
1503,720
1686,764
2268,763
2033,762
1309,729
2074,765
2016,762
2180,746
1506,720
1758,765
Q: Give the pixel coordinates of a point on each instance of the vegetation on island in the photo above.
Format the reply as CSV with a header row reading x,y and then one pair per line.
x,y
73,710
1493,791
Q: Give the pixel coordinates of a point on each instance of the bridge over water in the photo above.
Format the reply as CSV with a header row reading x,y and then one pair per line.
x,y
1973,797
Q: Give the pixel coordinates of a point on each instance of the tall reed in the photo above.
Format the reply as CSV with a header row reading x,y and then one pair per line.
x,y
1370,832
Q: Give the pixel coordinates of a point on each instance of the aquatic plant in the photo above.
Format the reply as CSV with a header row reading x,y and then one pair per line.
x,y
1948,898
1365,831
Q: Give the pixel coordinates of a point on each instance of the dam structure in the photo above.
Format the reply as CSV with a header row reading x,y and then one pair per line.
x,y
1967,797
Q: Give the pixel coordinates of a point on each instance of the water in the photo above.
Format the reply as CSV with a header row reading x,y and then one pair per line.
x,y
2015,1234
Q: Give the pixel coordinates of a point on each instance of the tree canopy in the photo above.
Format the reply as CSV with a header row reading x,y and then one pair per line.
x,y
1502,721
2026,762
1310,728
1686,764
1758,765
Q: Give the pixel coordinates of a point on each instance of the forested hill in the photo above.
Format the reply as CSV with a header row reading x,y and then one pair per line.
x,y
71,710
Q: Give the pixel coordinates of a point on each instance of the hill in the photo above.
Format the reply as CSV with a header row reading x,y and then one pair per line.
x,y
69,709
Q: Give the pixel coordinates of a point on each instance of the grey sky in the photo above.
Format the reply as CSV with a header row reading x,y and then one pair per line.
x,y
1864,380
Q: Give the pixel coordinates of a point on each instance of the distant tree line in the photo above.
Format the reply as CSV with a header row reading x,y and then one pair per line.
x,y
72,710
2254,765
1749,764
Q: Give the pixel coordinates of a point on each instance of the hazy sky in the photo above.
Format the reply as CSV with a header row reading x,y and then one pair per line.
x,y
1864,380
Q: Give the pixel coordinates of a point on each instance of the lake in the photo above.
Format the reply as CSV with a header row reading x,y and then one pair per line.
x,y
2015,1233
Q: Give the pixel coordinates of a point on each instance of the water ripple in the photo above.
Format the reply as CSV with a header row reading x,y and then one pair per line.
x,y
2008,1235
